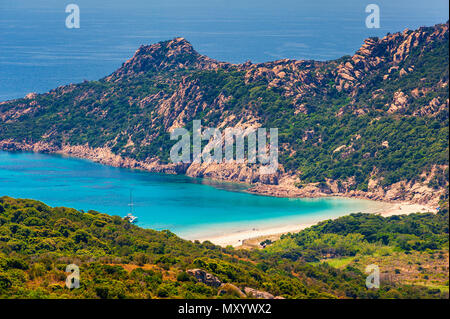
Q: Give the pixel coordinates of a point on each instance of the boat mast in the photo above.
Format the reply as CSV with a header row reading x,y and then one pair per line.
x,y
131,203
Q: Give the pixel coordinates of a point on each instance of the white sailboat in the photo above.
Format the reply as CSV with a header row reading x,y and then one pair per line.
x,y
130,217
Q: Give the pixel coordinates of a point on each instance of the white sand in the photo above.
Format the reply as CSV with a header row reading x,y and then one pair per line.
x,y
406,209
236,238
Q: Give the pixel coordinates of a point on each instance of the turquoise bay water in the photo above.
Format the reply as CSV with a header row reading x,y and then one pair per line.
x,y
191,208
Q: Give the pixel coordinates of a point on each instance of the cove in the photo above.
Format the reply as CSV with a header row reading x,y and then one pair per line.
x,y
191,208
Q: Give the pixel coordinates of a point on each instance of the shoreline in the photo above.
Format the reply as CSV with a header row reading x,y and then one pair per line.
x,y
283,189
285,186
251,238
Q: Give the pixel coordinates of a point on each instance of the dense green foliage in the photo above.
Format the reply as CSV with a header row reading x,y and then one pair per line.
x,y
120,260
365,233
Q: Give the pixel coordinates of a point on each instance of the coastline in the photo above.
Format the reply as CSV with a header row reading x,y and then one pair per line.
x,y
278,185
252,237
286,188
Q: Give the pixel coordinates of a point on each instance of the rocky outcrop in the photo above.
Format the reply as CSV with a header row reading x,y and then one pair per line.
x,y
227,288
433,108
257,294
389,51
230,289
399,103
101,155
224,171
175,54
204,277
231,172
417,191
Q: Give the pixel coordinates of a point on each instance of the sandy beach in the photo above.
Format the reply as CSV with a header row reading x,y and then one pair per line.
x,y
252,237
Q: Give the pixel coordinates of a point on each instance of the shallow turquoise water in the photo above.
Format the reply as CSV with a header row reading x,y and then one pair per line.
x,y
192,208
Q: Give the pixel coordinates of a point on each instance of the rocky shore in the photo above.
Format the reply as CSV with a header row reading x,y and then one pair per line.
x,y
278,185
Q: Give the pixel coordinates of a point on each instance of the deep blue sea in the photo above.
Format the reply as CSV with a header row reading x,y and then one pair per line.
x,y
38,53
192,208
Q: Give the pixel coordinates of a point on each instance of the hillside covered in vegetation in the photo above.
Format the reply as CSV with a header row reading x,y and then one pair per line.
x,y
120,260
374,124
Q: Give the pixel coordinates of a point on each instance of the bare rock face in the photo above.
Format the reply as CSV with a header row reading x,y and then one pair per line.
x,y
231,172
10,145
174,54
376,53
257,294
434,107
31,95
204,277
230,289
399,103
